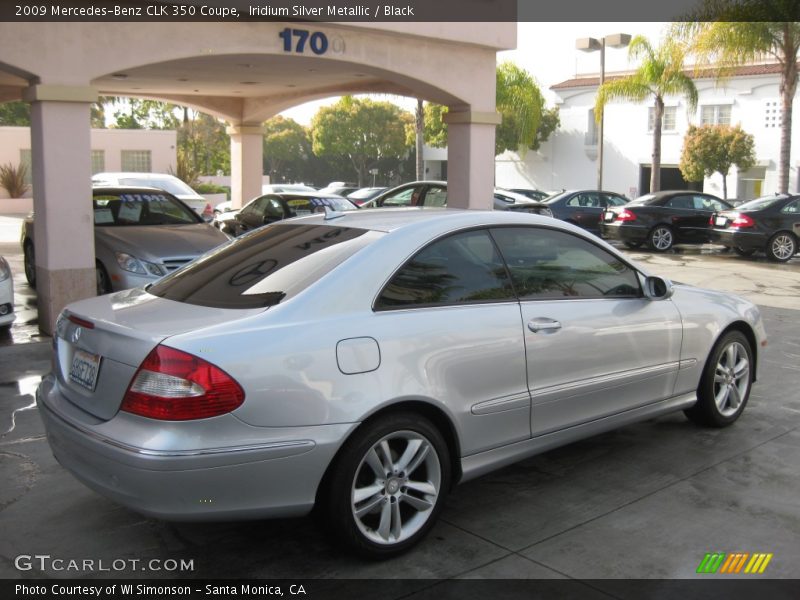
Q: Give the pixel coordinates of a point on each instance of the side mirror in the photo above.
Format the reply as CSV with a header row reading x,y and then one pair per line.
x,y
657,288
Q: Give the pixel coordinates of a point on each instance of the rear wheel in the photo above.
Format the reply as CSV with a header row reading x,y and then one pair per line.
x,y
388,485
661,238
29,262
725,384
744,251
782,246
103,281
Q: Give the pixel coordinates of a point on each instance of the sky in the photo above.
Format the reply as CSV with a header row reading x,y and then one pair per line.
x,y
547,51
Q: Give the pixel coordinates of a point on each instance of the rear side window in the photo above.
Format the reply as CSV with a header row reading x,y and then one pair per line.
x,y
264,267
459,269
547,264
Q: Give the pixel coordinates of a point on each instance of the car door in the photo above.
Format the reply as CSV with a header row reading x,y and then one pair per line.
x,y
790,217
585,209
448,326
595,346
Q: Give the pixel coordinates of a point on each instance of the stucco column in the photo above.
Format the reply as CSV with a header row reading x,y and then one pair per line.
x,y
63,226
470,158
247,151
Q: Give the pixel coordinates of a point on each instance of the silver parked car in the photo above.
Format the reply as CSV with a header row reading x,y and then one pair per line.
x,y
140,234
366,362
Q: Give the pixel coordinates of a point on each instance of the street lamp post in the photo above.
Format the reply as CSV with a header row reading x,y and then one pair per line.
x,y
616,40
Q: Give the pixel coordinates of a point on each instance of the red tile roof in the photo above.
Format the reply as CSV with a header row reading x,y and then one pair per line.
x,y
744,71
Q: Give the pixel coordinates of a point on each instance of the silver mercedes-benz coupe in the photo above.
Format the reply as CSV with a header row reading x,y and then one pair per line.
x,y
363,363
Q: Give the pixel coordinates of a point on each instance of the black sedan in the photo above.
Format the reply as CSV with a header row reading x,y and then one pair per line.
x,y
275,207
662,219
584,207
770,224
434,193
530,193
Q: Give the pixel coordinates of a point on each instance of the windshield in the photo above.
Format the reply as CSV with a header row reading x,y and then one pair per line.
x,y
556,197
308,205
140,208
760,203
168,184
264,267
365,193
643,199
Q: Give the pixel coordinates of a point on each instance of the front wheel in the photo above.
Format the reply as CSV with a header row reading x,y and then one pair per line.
x,y
661,238
725,384
388,485
781,247
29,263
103,281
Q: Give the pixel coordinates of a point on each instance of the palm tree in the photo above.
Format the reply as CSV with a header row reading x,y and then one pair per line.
x,y
660,74
728,34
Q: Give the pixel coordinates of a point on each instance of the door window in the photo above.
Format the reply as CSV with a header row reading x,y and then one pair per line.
x,y
436,196
548,264
458,269
401,198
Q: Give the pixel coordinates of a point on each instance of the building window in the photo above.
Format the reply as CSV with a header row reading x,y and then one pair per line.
x,y
25,159
715,114
591,130
98,161
137,161
668,121
772,114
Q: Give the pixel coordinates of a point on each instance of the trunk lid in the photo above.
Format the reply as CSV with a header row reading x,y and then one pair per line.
x,y
100,342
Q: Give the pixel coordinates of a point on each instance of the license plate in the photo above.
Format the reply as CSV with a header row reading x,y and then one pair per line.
x,y
84,370
609,216
720,221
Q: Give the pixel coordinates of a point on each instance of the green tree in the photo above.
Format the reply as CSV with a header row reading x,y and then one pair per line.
x,y
15,114
362,130
285,144
710,149
133,113
525,121
728,33
659,74
204,144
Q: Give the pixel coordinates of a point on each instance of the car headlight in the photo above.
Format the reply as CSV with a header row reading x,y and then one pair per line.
x,y
132,264
5,270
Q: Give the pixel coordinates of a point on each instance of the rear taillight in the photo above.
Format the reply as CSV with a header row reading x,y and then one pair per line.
x,y
173,385
625,215
742,221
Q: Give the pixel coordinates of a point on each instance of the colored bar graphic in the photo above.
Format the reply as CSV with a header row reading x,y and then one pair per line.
x,y
720,562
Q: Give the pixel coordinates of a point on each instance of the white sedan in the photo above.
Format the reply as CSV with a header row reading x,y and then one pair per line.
x,y
6,295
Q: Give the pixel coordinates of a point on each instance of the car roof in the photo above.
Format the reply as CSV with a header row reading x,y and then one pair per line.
x,y
301,194
121,189
444,219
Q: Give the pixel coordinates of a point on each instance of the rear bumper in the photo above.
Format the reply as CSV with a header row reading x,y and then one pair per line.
x,y
623,232
274,475
747,240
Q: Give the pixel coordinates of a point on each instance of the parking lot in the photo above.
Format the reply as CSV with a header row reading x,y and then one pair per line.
x,y
646,501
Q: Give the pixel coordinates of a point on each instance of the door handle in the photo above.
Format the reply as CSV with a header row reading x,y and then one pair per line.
x,y
537,325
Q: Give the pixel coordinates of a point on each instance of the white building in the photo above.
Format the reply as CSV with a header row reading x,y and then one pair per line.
x,y
749,97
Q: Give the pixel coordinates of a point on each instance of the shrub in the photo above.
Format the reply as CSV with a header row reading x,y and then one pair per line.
x,y
12,179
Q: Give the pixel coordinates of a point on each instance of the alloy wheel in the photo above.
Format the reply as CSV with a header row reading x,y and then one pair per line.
x,y
731,379
782,247
395,487
661,238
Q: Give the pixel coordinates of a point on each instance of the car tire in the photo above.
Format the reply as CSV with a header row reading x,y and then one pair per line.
x,y
29,264
103,281
661,238
726,382
633,245
782,246
387,485
744,251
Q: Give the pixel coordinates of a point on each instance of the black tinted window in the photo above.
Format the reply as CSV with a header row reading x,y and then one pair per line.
x,y
263,267
460,268
548,264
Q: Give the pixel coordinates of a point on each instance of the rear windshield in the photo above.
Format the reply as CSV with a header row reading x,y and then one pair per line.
x,y
168,184
137,208
760,203
264,267
643,199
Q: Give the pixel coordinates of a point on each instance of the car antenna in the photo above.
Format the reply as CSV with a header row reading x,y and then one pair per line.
x,y
331,214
